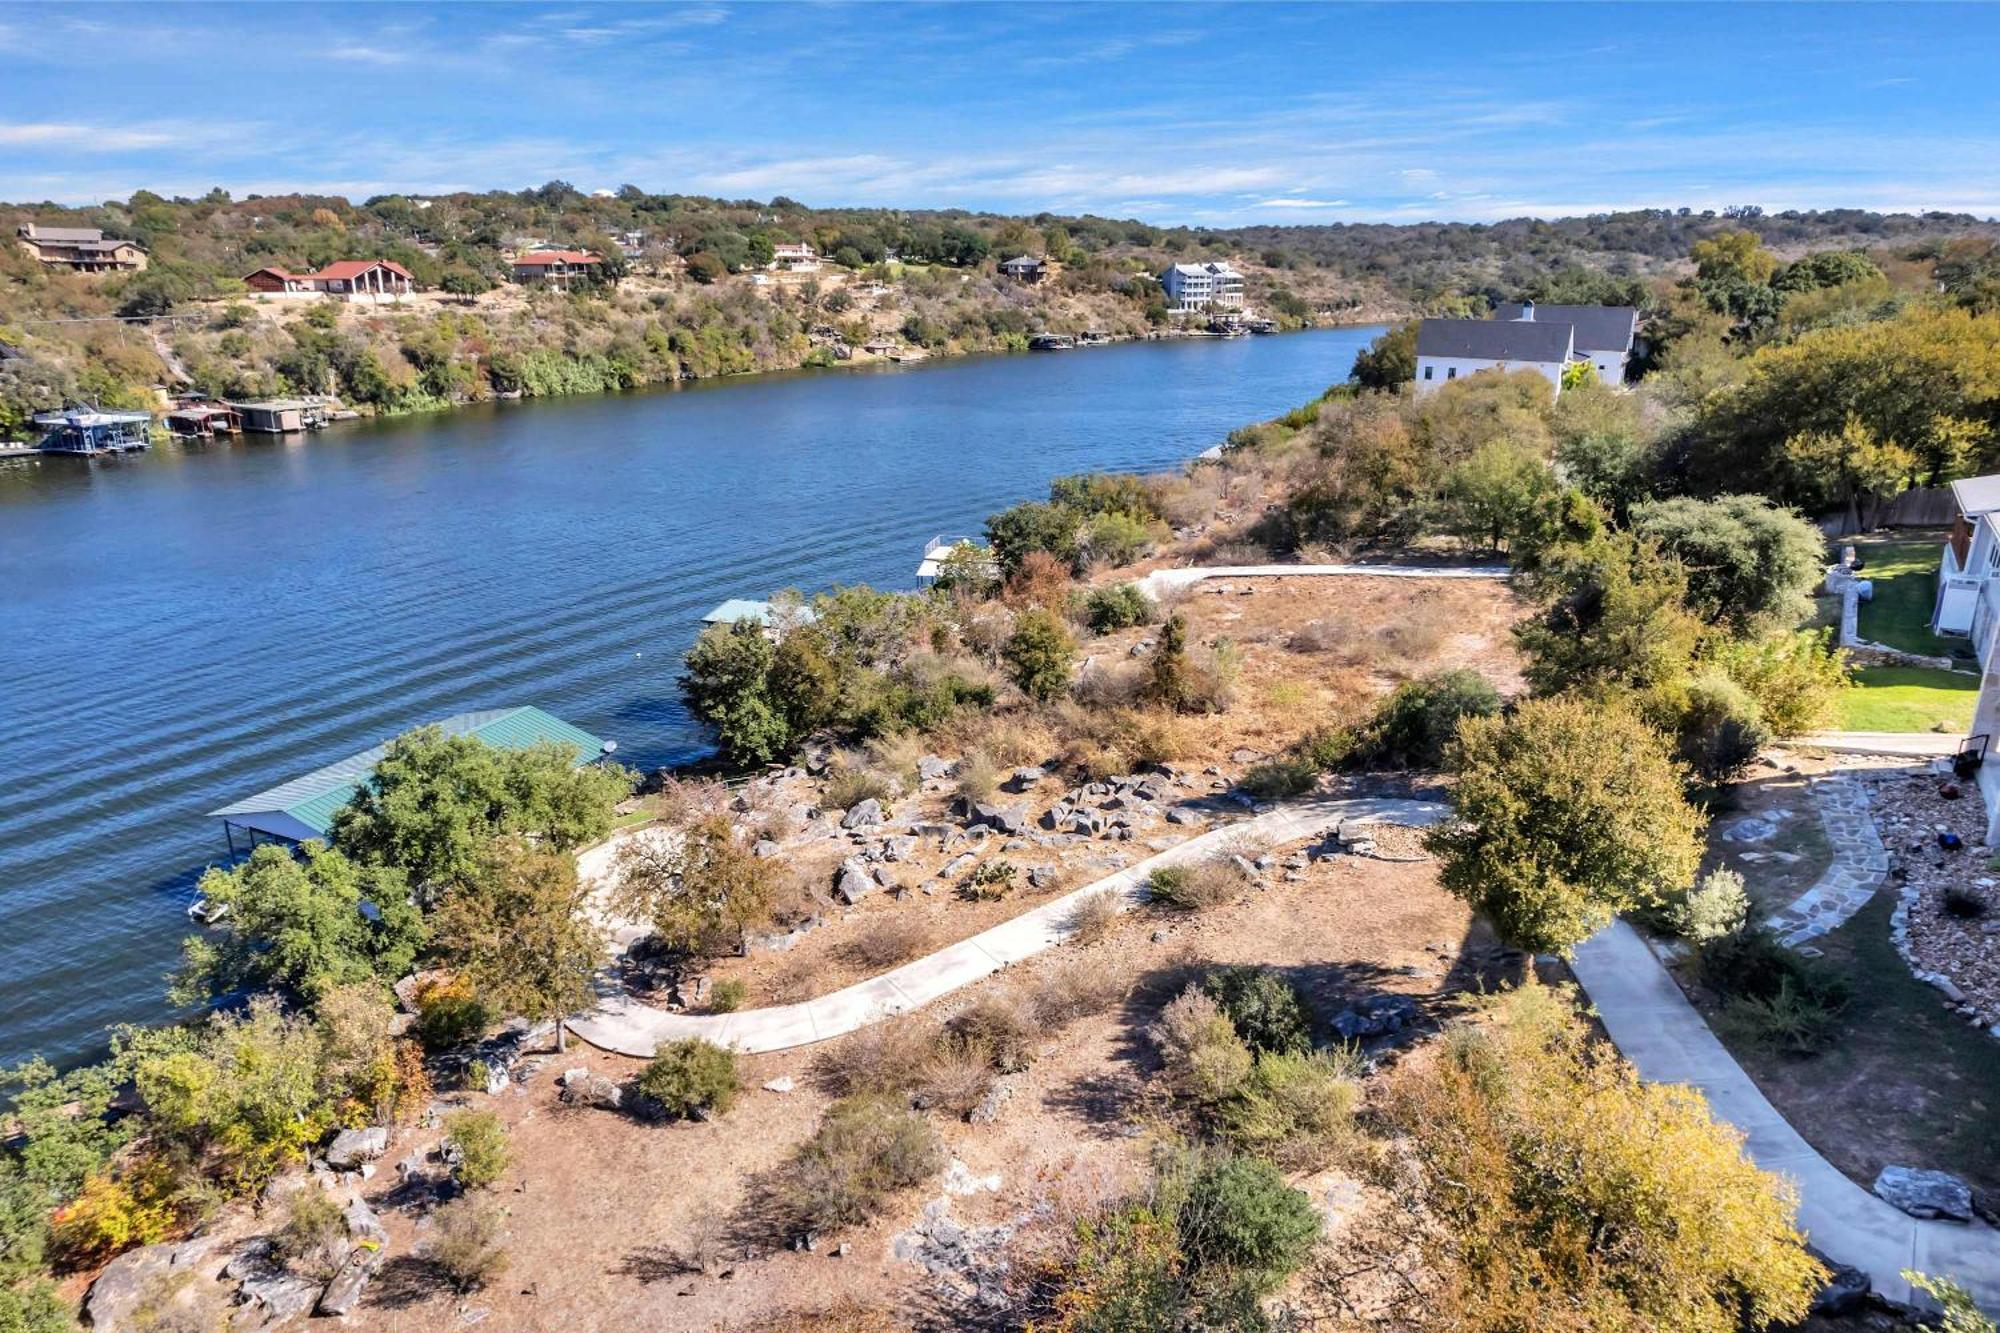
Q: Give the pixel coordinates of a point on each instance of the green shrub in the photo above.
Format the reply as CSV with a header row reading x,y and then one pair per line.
x,y
691,1076
1715,907
1796,679
989,883
1281,778
312,1240
481,1144
1416,723
1327,748
1753,965
1240,1217
1719,729
1296,1110
34,1307
1263,1007
450,1015
1120,606
726,997
1204,1059
866,1148
1797,1020
1039,654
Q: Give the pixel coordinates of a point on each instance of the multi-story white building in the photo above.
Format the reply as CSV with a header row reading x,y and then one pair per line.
x,y
1968,586
1192,288
799,258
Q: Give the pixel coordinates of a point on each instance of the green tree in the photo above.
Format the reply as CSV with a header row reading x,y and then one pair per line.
x,y
1390,360
434,801
699,888
1170,679
1750,565
727,685
1032,526
519,927
1491,497
301,926
1241,1218
1567,813
1733,254
1614,616
1040,654
691,1077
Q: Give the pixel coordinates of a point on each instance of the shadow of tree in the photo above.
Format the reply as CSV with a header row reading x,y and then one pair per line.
x,y
406,1280
656,1263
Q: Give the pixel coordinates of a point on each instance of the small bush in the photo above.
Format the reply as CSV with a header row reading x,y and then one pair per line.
x,y
1092,918
1120,606
850,787
475,1076
1205,1061
1326,748
312,1239
726,997
1040,654
1797,1020
449,1014
1279,779
989,883
1073,988
481,1143
1719,729
1240,1217
978,779
1966,904
1715,907
464,1246
1191,888
887,941
1262,1006
1753,965
1413,725
882,1057
1297,1110
690,1077
865,1150
1001,1029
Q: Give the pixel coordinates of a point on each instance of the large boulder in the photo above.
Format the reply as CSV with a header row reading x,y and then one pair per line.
x,y
853,882
351,1147
862,814
999,818
932,768
1376,1016
125,1282
580,1087
277,1296
1926,1194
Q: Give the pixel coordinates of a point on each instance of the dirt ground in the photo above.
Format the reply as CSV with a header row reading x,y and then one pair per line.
x,y
604,1211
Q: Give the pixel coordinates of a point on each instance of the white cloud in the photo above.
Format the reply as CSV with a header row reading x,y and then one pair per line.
x,y
369,55
83,138
1293,201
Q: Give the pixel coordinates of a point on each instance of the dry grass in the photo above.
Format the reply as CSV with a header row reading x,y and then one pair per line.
x,y
1074,988
851,786
1398,645
1001,1028
887,941
1092,918
978,777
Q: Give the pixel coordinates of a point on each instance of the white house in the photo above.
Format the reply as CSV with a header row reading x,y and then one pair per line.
x,y
1604,333
1968,586
1448,349
1201,287
800,258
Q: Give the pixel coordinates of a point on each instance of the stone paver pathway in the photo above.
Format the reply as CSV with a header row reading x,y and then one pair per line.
x,y
1656,1028
1859,867
629,1027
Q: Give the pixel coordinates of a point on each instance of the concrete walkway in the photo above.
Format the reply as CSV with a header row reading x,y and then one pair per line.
x,y
627,1026
1165,580
1661,1034
1903,744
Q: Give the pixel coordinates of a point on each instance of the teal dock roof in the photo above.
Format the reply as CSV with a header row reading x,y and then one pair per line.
x,y
305,806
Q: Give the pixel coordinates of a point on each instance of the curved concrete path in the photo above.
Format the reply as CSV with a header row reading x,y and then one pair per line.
x,y
629,1027
1164,580
1656,1028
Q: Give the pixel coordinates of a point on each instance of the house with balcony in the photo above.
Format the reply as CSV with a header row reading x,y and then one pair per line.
x,y
794,258
1968,584
561,269
1201,288
80,249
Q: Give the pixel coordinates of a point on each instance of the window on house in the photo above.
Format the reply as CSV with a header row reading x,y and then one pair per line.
x,y
1428,370
1451,372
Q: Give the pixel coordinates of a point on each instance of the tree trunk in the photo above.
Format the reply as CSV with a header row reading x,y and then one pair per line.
x,y
561,1036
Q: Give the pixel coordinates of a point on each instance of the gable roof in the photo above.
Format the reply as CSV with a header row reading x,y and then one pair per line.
x,y
305,806
350,269
544,258
1599,328
1495,340
35,231
1976,495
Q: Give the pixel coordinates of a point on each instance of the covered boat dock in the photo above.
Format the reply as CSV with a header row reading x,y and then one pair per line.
x,y
88,431
303,808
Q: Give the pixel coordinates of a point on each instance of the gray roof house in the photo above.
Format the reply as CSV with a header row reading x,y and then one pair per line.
x,y
1599,328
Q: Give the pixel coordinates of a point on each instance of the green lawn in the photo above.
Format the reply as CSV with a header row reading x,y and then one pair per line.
x,y
1886,698
1904,574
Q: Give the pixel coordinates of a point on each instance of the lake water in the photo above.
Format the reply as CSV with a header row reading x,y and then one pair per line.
x,y
185,627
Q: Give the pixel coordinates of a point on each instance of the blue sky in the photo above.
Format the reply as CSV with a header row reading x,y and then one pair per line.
x,y
1220,114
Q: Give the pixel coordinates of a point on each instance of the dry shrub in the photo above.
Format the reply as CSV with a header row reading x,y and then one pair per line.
x,y
883,1057
1042,580
887,941
465,1243
1414,634
984,632
1183,499
793,898
777,825
866,1149
798,979
1204,1060
851,786
1071,989
1191,888
847,1314
312,1240
978,778
1092,918
897,756
684,801
1001,1027
953,1077
1109,683
1009,740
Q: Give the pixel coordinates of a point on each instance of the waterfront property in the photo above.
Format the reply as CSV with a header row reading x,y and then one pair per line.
x,y
80,249
941,551
203,420
279,416
775,620
1523,336
1201,288
88,431
1024,269
304,807
561,269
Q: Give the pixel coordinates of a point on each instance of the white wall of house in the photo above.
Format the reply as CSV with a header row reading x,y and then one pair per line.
x,y
1434,372
1963,605
1610,365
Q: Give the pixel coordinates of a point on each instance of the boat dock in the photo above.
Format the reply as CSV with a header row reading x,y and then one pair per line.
x,y
87,432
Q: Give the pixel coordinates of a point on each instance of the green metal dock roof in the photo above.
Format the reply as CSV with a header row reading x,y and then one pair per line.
x,y
305,806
